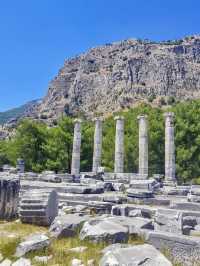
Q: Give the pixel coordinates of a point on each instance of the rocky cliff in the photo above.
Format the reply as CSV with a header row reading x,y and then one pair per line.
x,y
118,75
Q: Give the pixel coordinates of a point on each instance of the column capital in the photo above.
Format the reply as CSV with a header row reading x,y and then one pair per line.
x,y
169,114
100,119
142,117
77,120
118,117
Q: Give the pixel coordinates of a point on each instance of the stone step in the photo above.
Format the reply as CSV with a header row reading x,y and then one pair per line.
x,y
34,206
37,212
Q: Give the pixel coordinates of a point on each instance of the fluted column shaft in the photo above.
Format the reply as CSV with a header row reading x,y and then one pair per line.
x,y
97,145
76,152
170,167
119,145
143,145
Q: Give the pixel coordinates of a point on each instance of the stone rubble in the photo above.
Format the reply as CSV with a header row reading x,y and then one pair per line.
x,y
109,207
31,243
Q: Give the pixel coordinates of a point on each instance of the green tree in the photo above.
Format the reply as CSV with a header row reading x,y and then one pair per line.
x,y
28,144
58,147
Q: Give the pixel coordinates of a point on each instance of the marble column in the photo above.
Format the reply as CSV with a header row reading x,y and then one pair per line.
x,y
119,145
20,165
97,145
143,145
76,152
170,167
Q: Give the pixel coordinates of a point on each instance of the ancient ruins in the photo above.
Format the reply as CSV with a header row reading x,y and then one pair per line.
x,y
155,208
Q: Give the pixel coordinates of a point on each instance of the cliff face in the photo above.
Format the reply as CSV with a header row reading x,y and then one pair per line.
x,y
115,76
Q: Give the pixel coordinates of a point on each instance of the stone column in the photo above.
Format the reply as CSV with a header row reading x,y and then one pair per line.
x,y
119,145
97,145
143,145
20,165
170,167
76,152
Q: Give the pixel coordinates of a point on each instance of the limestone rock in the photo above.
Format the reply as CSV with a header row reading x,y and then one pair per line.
x,y
31,243
184,249
168,220
102,229
39,207
43,259
67,225
22,262
133,255
76,262
114,76
6,262
9,194
78,249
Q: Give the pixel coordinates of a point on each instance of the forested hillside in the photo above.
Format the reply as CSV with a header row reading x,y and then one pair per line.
x,y
50,148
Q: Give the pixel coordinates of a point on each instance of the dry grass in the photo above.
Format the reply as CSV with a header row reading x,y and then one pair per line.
x,y
59,248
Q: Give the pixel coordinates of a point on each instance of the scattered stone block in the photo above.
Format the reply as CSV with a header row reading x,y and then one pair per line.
x,y
102,229
9,197
22,262
6,262
76,262
167,220
39,207
184,249
67,225
43,259
139,193
31,243
117,255
78,249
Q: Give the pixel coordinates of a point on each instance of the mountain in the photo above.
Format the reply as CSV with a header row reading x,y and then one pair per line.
x,y
14,114
119,75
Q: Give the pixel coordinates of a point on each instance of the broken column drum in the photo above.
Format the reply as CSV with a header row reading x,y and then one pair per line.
x,y
39,206
119,145
170,167
20,165
76,152
9,196
97,145
143,145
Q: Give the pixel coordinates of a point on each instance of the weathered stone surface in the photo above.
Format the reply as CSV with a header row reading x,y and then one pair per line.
x,y
119,145
125,209
97,145
143,145
190,206
43,259
99,207
67,225
101,229
168,220
9,196
170,167
50,177
22,262
31,243
184,249
78,249
139,193
77,262
149,184
76,152
133,224
39,207
6,262
118,255
115,76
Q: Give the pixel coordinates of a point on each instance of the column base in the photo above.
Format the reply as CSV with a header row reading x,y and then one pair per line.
x,y
170,182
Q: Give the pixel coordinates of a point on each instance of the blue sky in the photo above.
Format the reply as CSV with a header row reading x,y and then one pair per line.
x,y
37,35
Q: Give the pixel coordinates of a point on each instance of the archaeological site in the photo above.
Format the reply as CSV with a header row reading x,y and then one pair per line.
x,y
139,219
